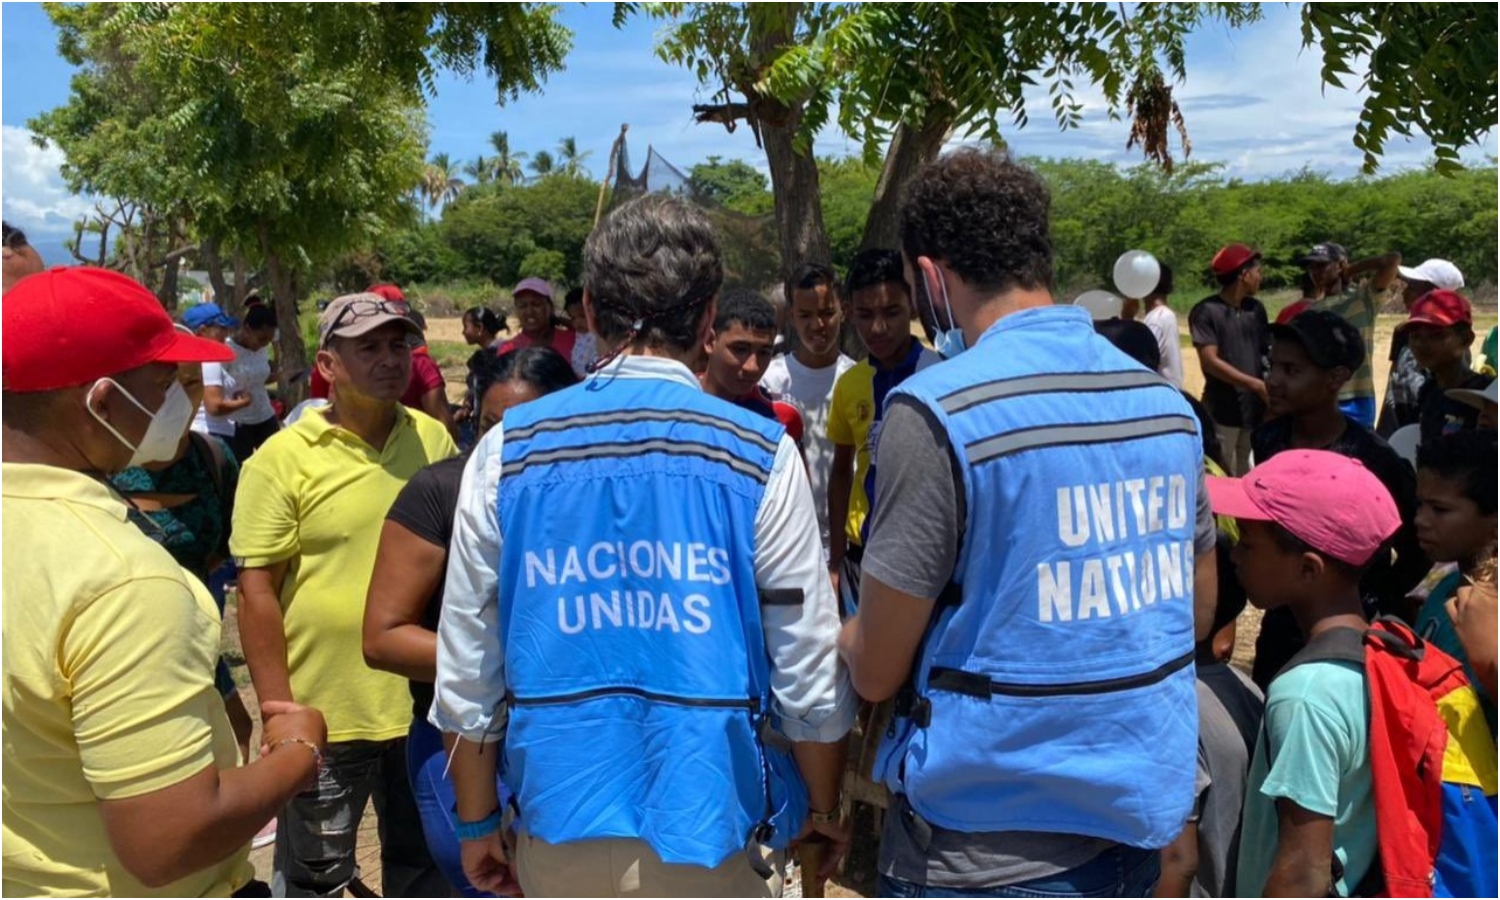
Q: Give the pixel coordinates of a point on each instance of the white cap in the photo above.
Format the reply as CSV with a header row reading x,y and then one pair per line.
x,y
1474,398
1437,272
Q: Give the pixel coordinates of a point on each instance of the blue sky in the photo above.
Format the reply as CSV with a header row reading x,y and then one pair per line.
x,y
1252,101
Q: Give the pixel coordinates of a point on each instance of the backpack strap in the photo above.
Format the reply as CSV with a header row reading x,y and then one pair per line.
x,y
1339,644
211,449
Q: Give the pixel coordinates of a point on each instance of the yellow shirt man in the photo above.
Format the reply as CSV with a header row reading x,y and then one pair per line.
x,y
315,496
109,691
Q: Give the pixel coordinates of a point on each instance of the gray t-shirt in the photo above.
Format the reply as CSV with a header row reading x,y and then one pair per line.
x,y
1229,712
916,529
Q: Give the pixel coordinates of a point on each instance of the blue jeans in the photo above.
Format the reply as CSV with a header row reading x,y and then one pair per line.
x,y
433,791
1121,872
317,832
1360,409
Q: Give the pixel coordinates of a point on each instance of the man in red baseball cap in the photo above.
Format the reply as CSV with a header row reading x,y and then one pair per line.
x,y
1229,331
120,764
1439,331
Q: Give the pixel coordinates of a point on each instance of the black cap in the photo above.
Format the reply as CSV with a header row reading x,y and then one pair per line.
x,y
1329,340
1132,338
1327,251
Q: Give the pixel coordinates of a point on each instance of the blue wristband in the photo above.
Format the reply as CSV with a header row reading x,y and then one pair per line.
x,y
473,831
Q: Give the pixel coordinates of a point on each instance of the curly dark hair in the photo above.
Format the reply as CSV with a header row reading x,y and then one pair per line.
x,y
985,215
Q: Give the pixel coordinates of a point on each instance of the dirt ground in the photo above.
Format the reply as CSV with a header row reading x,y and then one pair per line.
x,y
859,875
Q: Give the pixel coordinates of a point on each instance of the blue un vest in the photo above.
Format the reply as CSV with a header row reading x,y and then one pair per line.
x,y
1055,689
635,665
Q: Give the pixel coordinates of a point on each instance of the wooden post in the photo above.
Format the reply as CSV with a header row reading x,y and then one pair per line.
x,y
614,156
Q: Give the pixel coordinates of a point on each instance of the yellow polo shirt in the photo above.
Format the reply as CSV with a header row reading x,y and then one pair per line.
x,y
109,686
852,421
315,495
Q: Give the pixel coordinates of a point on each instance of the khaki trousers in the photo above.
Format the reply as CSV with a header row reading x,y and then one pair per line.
x,y
626,867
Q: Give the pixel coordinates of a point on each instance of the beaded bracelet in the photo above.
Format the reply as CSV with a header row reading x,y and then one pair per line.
x,y
317,754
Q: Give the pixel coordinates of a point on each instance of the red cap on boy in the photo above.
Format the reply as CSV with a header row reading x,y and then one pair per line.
x,y
1331,502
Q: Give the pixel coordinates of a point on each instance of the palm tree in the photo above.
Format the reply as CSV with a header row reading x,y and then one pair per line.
x,y
570,160
440,183
506,166
481,169
543,164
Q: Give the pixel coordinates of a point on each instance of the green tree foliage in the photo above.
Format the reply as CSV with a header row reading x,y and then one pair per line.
x,y
289,131
1431,70
440,181
847,187
1099,210
543,164
505,167
497,232
569,158
734,184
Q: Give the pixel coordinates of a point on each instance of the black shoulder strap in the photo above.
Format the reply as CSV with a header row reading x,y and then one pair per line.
x,y
213,451
1346,644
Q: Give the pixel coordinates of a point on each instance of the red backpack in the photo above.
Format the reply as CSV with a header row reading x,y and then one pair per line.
x,y
1432,760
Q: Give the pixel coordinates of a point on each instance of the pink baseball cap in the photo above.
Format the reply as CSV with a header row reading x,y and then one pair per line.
x,y
535,286
1331,502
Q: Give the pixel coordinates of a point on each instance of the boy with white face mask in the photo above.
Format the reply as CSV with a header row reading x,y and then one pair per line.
x,y
121,765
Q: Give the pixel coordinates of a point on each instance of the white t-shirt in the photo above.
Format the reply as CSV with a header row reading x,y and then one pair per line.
x,y
1163,323
214,375
250,370
812,390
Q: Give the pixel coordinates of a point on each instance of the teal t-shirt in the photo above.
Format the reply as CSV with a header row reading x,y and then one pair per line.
x,y
1317,723
1435,626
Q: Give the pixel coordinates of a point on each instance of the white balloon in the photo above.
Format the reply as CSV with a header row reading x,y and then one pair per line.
x,y
1137,273
1100,304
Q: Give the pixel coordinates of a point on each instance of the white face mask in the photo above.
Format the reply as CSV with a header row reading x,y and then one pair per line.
x,y
168,424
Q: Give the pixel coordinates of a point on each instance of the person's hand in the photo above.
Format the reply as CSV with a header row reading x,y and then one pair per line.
x,y
833,577
283,720
461,414
1259,388
488,867
1473,611
837,835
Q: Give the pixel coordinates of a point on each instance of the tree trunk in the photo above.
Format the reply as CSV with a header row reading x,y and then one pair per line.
x,y
214,265
911,148
794,174
291,352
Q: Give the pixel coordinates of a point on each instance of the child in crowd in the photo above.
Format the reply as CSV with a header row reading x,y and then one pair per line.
x,y
585,346
880,303
1202,861
738,354
807,374
1456,523
1439,332
1310,521
1312,359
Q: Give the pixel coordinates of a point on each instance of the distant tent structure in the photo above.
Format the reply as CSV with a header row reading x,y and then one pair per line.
x,y
751,255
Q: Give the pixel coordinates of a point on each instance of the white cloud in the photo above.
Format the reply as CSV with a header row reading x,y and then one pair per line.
x,y
34,197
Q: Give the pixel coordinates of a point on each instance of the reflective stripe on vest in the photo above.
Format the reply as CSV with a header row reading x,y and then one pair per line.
x,y
635,663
